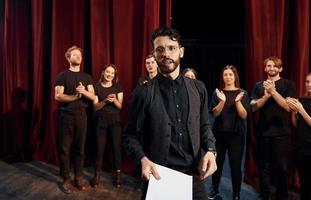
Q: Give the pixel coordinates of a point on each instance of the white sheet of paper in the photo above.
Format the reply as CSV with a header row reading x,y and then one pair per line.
x,y
172,185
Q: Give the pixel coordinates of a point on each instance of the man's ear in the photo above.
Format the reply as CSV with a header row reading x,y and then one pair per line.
x,y
281,69
182,51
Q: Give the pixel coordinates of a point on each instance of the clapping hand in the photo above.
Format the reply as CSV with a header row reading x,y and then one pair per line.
x,y
294,104
111,98
80,89
220,95
269,86
239,97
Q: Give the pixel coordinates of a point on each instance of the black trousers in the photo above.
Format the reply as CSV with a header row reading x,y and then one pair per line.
x,y
72,128
304,167
234,144
106,129
198,189
274,154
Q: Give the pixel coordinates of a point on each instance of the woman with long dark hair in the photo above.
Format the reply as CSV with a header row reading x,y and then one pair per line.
x,y
229,104
107,107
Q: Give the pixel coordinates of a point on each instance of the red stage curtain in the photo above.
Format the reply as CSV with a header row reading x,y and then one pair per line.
x,y
279,28
34,37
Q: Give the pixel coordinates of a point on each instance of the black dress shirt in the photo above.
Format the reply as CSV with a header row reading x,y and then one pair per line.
x,y
175,99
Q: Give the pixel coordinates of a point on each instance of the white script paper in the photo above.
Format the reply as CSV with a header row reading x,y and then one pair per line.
x,y
172,185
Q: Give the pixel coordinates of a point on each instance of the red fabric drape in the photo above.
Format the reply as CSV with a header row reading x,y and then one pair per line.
x,y
15,67
34,37
279,28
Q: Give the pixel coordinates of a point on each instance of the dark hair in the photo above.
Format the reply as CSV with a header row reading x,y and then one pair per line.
x,y
307,94
115,79
149,56
192,70
277,61
166,31
70,49
236,76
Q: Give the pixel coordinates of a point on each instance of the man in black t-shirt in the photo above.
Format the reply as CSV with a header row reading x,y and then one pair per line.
x,y
273,128
73,91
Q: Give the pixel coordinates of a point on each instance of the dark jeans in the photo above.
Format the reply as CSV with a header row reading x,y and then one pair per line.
x,y
71,139
114,132
234,144
198,189
274,154
304,167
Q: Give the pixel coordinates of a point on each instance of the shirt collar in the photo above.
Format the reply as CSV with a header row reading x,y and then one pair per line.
x,y
167,81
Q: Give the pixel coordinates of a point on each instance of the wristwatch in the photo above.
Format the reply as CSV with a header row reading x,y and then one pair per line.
x,y
213,151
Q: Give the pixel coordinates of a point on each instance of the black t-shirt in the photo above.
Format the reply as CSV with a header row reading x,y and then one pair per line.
x,y
102,93
273,119
70,80
143,80
303,129
229,120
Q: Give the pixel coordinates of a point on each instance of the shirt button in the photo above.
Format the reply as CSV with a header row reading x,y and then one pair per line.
x,y
180,134
179,120
175,91
177,106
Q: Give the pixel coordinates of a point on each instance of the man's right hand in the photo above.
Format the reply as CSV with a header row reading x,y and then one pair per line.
x,y
147,168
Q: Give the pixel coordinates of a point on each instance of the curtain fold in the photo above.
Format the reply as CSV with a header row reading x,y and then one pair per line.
x,y
275,28
35,34
15,88
34,37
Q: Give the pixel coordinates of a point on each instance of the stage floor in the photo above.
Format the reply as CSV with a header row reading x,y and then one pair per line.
x,y
38,180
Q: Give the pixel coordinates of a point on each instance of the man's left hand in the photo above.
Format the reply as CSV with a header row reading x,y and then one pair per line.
x,y
207,165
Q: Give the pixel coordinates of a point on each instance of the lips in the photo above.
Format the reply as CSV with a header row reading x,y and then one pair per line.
x,y
167,61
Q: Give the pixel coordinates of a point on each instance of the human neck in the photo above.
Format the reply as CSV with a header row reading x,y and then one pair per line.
x,y
173,75
274,78
230,87
152,74
107,83
74,68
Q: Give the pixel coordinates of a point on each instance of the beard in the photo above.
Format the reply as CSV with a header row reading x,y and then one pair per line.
x,y
75,62
168,66
273,74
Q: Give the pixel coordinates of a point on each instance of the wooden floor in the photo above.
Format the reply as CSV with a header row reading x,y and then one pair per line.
x,y
40,181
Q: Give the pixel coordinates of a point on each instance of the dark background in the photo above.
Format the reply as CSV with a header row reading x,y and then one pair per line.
x,y
213,37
